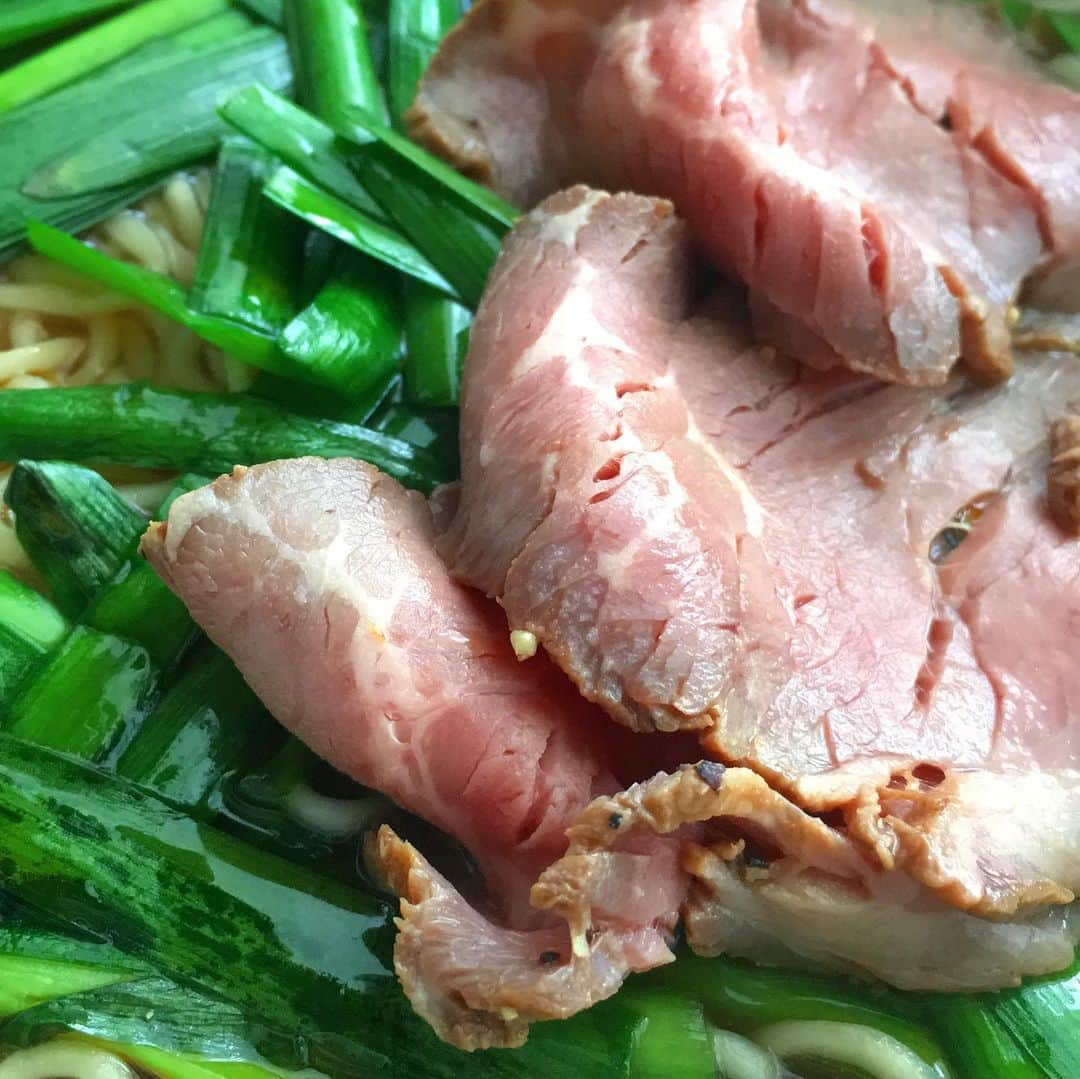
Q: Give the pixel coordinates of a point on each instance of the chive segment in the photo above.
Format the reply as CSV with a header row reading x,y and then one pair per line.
x,y
156,291
160,105
22,20
251,249
29,628
416,28
81,701
349,337
433,324
436,336
302,141
203,727
136,425
153,111
319,403
413,164
352,227
76,528
138,606
93,48
328,43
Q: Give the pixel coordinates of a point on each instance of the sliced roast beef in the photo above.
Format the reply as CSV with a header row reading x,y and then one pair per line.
x,y
880,216
320,579
705,535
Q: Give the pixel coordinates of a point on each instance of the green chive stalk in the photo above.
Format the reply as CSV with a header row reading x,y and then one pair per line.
x,y
302,141
436,336
325,404
416,28
251,253
93,48
143,427
335,78
433,324
434,429
348,338
30,627
156,291
155,110
85,151
76,528
138,606
271,11
23,20
352,227
92,687
207,724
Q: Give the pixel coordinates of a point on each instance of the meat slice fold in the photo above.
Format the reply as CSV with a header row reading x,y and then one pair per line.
x,y
883,198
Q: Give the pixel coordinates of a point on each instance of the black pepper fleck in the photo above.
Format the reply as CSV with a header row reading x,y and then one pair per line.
x,y
547,958
711,773
615,820
945,542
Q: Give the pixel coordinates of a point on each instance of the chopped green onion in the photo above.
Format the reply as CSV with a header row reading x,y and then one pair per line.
x,y
75,527
1041,1018
169,117
335,78
416,28
204,726
352,227
251,249
156,291
82,700
29,627
93,48
138,606
325,404
1066,24
429,428
25,983
674,1041
135,425
979,1043
302,141
21,20
436,333
412,163
95,146
349,337
462,247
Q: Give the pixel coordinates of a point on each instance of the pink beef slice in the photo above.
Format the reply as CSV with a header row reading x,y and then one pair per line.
x,y
321,581
884,211
707,536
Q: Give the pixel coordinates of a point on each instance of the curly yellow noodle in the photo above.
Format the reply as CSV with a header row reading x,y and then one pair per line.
x,y
59,329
